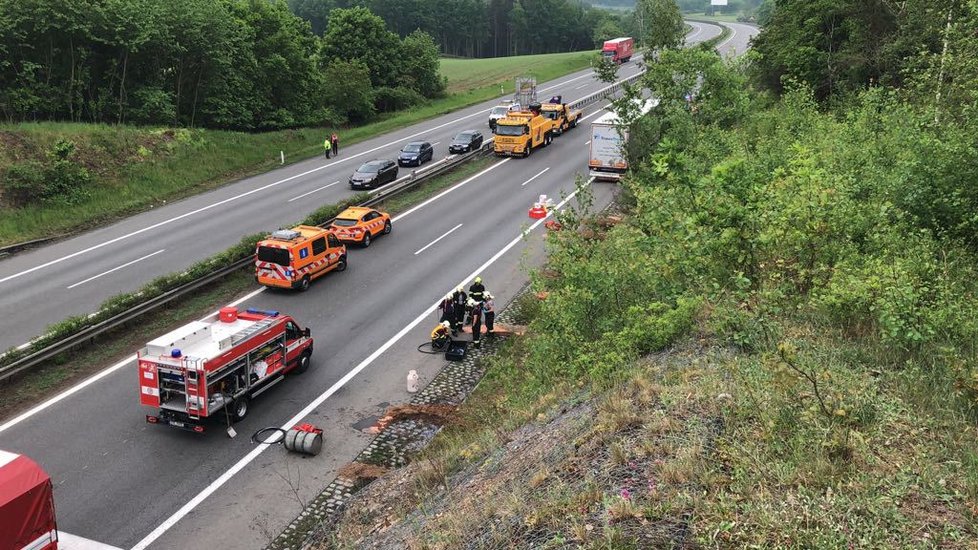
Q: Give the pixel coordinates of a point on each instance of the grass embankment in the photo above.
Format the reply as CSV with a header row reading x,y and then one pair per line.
x,y
135,168
773,347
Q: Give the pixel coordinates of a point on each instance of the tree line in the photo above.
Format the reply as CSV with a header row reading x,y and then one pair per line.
x,y
235,64
487,28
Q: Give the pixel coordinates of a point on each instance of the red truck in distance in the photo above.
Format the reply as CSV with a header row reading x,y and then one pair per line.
x,y
618,50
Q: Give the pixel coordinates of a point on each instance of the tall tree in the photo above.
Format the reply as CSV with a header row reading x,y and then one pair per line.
x,y
661,23
358,34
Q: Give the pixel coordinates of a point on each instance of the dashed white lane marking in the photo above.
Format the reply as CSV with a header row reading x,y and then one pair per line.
x,y
427,246
313,191
540,173
404,214
114,269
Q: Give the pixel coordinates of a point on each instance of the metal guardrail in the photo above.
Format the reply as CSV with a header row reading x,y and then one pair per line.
x,y
46,353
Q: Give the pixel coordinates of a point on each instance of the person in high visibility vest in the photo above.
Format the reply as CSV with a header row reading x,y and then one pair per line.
x,y
440,336
328,146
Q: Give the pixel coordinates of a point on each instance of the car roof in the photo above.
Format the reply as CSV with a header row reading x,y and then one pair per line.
x,y
354,212
376,162
416,143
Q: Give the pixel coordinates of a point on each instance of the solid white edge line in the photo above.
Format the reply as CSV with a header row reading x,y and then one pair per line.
x,y
247,459
89,381
427,246
540,173
114,269
733,33
404,214
311,192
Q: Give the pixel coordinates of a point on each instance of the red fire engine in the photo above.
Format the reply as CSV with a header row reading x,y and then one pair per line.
x,y
215,366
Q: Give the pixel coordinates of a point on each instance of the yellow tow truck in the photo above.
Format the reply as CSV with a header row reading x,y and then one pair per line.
x,y
520,132
563,116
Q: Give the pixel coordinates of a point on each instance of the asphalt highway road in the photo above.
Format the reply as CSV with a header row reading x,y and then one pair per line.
x,y
75,276
118,478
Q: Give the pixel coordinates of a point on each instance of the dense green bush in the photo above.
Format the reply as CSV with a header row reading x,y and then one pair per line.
x,y
59,178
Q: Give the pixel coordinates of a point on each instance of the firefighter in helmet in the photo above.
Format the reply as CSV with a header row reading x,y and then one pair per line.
x,y
440,336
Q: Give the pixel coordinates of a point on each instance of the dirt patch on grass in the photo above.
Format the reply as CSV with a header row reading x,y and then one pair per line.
x,y
357,471
434,414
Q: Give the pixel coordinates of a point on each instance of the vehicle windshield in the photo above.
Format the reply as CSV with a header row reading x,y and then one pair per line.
x,y
343,222
509,130
412,148
552,115
278,256
500,111
369,168
463,139
607,53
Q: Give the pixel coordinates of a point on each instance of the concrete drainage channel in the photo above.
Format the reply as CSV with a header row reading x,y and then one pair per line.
x,y
398,441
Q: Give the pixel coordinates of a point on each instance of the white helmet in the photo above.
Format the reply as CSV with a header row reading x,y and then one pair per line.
x,y
446,324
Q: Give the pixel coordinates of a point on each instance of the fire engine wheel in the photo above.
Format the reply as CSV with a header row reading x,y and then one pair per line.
x,y
573,123
303,365
366,240
341,265
304,284
240,408
387,228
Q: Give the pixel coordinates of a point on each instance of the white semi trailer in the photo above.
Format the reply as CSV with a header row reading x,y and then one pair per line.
x,y
609,135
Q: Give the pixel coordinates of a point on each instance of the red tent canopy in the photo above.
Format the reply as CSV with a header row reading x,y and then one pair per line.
x,y
26,505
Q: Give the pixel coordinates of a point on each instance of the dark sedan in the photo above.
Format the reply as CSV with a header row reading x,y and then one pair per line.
x,y
415,153
464,142
374,174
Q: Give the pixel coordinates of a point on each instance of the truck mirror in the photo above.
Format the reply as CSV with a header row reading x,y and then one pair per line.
x,y
307,333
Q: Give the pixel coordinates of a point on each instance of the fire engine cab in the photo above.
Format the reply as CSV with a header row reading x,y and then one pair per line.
x,y
215,366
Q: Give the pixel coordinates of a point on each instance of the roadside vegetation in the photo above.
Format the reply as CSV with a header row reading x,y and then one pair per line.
x,y
772,344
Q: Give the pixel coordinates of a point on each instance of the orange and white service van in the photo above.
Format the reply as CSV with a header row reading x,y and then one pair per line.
x,y
291,258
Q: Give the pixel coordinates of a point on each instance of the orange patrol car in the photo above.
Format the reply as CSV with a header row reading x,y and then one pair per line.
x,y
291,258
359,224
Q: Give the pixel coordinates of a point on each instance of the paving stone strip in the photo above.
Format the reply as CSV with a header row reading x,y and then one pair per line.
x,y
400,440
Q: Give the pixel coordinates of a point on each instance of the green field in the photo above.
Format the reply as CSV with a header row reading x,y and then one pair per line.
x,y
474,74
137,168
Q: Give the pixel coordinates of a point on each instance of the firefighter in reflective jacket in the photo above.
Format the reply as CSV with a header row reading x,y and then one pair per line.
x,y
440,336
477,291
